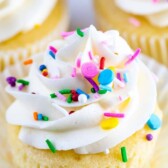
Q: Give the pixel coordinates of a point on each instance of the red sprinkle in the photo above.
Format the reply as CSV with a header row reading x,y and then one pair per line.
x,y
102,61
73,91
45,73
75,97
71,112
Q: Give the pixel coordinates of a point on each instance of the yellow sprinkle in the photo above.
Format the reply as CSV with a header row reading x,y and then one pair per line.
x,y
112,68
124,104
109,123
45,70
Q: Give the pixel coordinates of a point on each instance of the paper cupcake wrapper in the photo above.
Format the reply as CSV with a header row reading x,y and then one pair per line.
x,y
153,46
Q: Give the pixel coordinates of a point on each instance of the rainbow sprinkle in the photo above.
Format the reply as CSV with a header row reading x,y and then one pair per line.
x,y
51,146
79,32
133,57
117,115
124,154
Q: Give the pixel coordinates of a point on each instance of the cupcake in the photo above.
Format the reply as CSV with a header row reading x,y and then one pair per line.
x,y
89,103
26,28
143,24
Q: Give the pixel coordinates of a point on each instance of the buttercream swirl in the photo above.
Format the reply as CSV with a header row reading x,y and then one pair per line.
x,y
22,15
155,11
82,130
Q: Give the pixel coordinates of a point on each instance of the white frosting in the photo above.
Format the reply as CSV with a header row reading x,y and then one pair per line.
x,y
22,15
155,12
81,130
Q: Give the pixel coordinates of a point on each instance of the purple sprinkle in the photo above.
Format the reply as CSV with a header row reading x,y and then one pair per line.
x,y
21,87
149,137
11,80
93,83
54,50
119,76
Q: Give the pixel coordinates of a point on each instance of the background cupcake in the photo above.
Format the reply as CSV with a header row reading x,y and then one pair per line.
x,y
25,28
143,24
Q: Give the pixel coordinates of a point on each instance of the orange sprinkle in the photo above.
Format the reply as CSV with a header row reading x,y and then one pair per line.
x,y
27,62
35,115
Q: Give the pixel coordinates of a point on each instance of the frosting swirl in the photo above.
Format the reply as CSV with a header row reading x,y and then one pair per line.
x,y
87,129
22,15
155,11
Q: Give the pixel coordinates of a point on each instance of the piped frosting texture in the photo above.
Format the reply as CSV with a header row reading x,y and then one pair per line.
x,y
87,92
22,15
156,11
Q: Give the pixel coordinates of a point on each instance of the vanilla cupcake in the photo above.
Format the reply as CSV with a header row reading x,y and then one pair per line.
x,y
87,102
143,23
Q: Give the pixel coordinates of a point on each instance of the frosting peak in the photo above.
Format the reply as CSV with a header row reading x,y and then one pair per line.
x,y
90,91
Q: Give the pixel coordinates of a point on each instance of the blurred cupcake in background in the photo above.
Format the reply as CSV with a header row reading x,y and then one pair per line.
x,y
143,23
25,28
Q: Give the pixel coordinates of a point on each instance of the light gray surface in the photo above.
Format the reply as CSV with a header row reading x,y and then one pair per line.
x,y
81,13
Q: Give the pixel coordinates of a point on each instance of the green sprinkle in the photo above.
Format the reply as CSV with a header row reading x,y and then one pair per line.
x,y
52,95
79,32
124,154
24,82
102,91
69,99
93,90
65,91
45,118
51,146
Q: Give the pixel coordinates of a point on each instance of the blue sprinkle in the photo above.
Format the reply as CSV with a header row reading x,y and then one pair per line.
x,y
40,116
52,54
154,122
125,76
79,91
42,67
106,87
106,77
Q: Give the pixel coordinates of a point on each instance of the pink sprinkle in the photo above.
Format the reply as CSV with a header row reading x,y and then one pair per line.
x,y
96,95
155,1
119,83
66,34
21,87
120,98
53,49
134,22
132,58
60,96
90,55
117,115
73,72
78,62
